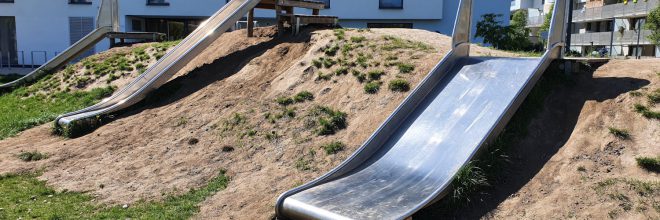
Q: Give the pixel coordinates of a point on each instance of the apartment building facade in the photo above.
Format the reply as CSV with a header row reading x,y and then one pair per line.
x,y
536,12
613,26
33,31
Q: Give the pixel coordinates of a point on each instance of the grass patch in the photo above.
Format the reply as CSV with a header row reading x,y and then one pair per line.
x,y
375,74
361,77
320,76
372,87
19,113
329,120
303,96
358,39
405,68
649,163
32,156
646,112
395,43
331,50
620,133
284,101
340,34
399,85
654,97
23,197
317,63
334,147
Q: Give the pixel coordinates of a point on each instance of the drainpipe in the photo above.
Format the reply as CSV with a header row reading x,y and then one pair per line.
x,y
639,35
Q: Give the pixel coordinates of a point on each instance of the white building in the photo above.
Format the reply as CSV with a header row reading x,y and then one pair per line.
x,y
536,12
33,31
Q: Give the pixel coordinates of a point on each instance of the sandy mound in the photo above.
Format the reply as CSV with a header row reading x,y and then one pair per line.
x,y
223,115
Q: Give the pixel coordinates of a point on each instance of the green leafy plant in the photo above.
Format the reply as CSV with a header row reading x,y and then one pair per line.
x,y
372,87
329,120
334,147
303,96
619,133
399,85
649,163
32,156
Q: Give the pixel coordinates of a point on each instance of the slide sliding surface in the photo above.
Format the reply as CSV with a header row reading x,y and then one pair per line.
x,y
159,73
107,21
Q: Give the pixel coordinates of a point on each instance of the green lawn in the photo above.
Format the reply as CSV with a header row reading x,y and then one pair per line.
x,y
18,112
25,197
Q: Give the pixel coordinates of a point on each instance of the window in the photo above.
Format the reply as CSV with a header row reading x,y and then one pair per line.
x,y
326,2
6,1
80,2
137,25
8,41
391,4
78,28
158,2
389,25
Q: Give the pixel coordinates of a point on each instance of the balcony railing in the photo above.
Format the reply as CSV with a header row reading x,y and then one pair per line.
x,y
621,10
606,38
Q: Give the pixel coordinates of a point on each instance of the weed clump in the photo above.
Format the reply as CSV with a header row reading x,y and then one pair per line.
x,y
649,163
375,74
399,85
406,68
361,77
646,112
334,147
372,87
323,77
654,97
619,133
303,96
340,34
317,63
358,39
341,71
331,50
32,156
284,101
329,120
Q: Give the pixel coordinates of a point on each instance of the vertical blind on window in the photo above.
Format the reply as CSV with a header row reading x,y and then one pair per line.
x,y
78,28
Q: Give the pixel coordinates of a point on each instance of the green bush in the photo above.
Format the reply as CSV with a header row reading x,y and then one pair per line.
x,y
332,50
32,156
372,87
317,63
399,85
619,133
650,164
284,101
406,68
334,147
303,96
329,120
358,39
375,74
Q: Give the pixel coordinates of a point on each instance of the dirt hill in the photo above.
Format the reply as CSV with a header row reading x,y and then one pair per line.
x,y
277,112
232,112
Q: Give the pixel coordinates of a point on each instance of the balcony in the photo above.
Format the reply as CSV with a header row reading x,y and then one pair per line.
x,y
606,38
607,12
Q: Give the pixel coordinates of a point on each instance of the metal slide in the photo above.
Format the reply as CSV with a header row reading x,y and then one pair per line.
x,y
107,21
410,161
159,73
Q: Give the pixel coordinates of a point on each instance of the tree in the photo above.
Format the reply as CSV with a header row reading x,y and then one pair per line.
x,y
653,24
514,37
548,19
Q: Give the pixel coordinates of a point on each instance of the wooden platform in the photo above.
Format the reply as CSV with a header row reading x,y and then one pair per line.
x,y
122,36
285,14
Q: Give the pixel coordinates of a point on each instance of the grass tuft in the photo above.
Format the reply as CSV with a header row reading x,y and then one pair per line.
x,y
372,87
649,163
32,156
399,85
334,147
330,121
284,101
620,133
303,96
406,68
375,74
646,112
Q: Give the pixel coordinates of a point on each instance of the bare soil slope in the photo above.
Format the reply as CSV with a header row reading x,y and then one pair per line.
x,y
221,113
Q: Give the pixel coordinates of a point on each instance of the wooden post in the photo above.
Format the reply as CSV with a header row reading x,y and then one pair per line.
x,y
292,20
278,18
250,23
316,11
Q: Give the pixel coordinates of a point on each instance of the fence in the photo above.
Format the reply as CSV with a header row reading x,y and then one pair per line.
x,y
620,10
609,38
18,59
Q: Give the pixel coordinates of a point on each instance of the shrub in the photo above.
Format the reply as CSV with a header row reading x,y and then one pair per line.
x,y
330,121
342,71
650,164
323,76
654,97
372,87
303,96
375,74
284,101
358,39
406,68
340,34
328,62
332,50
317,63
646,112
32,156
619,133
334,147
399,85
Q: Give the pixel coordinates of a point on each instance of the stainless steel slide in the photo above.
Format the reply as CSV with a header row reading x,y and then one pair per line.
x,y
106,21
410,161
170,64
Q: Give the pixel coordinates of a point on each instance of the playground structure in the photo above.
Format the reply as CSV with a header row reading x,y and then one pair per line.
x,y
411,160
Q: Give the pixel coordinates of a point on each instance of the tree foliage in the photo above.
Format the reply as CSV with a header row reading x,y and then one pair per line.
x,y
513,37
548,19
653,24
